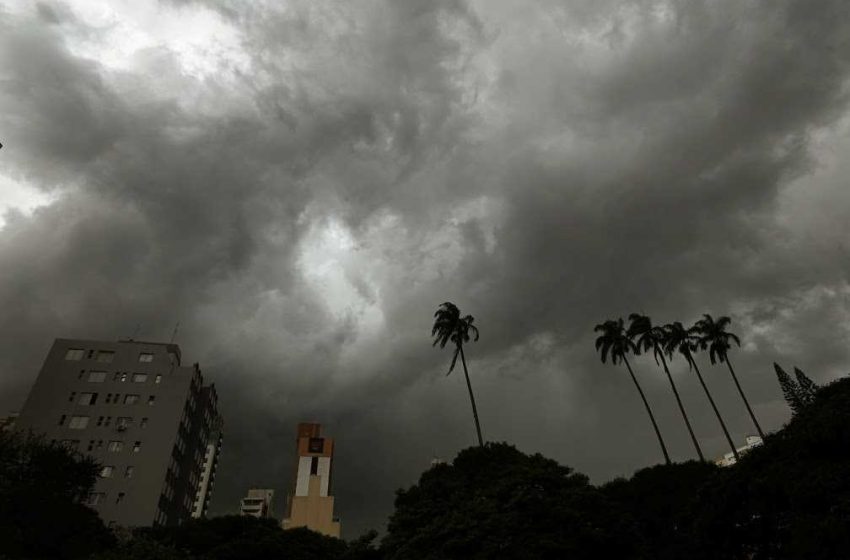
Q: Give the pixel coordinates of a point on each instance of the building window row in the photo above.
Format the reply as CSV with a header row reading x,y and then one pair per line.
x,y
104,356
107,471
95,498
88,399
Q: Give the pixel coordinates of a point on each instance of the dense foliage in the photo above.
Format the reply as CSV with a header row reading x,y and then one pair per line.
x,y
41,487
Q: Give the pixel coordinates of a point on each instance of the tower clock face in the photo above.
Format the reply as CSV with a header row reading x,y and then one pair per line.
x,y
317,445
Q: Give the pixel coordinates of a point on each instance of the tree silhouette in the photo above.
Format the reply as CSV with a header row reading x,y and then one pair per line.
x,y
615,341
685,342
648,336
449,326
713,335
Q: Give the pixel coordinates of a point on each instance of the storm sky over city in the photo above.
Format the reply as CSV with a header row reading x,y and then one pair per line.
x,y
300,184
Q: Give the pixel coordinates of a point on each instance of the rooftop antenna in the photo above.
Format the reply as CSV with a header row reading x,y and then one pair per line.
x,y
174,334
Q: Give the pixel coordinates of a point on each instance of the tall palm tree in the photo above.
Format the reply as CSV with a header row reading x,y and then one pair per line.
x,y
652,337
615,341
450,326
685,342
713,336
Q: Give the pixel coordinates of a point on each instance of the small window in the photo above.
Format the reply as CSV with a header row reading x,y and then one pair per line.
x,y
115,446
131,399
78,422
70,443
99,445
106,471
116,376
100,421
96,498
146,357
87,399
75,354
143,423
108,398
108,421
129,471
97,376
72,396
137,447
151,400
62,420
91,445
157,379
120,498
123,422
105,356
140,377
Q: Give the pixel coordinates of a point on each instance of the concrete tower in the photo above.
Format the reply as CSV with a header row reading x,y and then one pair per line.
x,y
310,503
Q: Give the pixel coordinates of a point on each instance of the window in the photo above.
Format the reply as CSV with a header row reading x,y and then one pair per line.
x,y
128,472
82,374
99,445
157,379
70,443
123,422
72,396
108,398
74,354
120,498
62,420
143,423
115,446
146,357
316,445
123,377
100,421
78,422
140,377
137,447
106,471
108,421
105,356
91,445
97,376
314,465
96,498
131,399
151,400
87,399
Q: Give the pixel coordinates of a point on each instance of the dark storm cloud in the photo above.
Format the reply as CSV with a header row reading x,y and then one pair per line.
x,y
303,207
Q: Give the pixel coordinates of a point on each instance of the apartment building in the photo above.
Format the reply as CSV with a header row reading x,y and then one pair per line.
x,y
135,408
258,503
209,467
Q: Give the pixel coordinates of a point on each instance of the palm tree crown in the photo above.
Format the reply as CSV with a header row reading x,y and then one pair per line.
x,y
679,339
614,341
715,338
450,326
646,335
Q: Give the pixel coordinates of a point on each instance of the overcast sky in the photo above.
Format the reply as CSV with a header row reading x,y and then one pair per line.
x,y
300,184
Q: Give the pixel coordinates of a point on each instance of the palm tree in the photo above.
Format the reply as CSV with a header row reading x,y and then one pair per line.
x,y
713,336
652,337
685,341
615,341
450,326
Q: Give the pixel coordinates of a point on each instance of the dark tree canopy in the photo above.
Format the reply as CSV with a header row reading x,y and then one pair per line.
x,y
496,502
41,487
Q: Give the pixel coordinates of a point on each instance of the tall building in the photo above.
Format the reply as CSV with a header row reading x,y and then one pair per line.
x,y
258,503
139,412
310,502
209,467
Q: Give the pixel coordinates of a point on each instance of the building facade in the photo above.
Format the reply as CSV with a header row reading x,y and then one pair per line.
x,y
729,458
258,503
209,467
139,412
310,502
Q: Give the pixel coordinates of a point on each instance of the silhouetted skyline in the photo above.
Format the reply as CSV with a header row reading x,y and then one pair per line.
x,y
301,184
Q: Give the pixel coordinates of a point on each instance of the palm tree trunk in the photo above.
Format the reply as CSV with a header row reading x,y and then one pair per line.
x,y
682,409
713,406
746,402
649,411
471,399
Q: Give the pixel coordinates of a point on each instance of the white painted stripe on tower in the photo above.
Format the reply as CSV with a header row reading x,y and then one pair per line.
x,y
324,472
302,484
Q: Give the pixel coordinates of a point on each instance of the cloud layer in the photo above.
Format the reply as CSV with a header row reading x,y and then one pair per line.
x,y
301,184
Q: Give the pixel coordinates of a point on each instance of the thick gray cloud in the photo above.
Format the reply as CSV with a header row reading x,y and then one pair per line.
x,y
300,185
